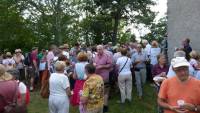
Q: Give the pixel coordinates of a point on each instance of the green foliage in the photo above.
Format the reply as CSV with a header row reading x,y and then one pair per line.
x,y
158,30
13,29
116,11
27,23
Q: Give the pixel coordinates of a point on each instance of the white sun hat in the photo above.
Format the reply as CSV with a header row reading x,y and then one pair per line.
x,y
179,62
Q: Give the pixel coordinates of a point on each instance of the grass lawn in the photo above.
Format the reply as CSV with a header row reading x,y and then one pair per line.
x,y
146,105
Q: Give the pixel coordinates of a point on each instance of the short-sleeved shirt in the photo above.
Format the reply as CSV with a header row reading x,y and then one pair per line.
x,y
154,52
147,48
34,57
80,70
193,62
22,88
116,56
93,89
58,83
9,63
157,69
142,56
105,59
127,68
50,57
8,89
19,61
172,90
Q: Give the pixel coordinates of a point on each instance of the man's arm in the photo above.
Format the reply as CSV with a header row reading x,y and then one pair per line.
x,y
192,107
163,103
68,91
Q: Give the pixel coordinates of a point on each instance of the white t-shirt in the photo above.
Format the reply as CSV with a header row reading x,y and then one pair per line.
x,y
58,83
147,48
8,61
127,68
22,88
66,54
154,52
193,62
116,56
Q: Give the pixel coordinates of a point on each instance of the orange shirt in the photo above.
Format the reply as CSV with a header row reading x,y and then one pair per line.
x,y
172,90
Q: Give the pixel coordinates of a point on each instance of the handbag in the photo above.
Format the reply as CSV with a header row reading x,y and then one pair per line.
x,y
13,107
123,66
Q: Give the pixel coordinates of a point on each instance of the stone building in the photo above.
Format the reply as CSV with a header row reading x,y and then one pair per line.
x,y
183,22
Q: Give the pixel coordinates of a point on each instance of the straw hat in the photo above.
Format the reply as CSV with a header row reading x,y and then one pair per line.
x,y
61,47
65,46
8,54
3,74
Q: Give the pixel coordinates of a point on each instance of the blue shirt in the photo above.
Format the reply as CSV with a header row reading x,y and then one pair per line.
x,y
142,56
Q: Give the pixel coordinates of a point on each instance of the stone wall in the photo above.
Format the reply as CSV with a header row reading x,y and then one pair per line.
x,y
183,22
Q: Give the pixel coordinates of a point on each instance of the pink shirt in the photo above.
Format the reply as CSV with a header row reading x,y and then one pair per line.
x,y
50,57
103,60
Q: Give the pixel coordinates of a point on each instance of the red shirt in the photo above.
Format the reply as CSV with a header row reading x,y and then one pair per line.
x,y
34,56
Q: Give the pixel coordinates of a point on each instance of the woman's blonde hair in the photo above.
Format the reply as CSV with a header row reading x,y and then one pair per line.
x,y
194,54
82,56
60,66
154,44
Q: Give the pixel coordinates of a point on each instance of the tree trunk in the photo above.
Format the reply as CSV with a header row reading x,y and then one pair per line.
x,y
58,14
116,24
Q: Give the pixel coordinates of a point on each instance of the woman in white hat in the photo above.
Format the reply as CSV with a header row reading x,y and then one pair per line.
x,y
9,62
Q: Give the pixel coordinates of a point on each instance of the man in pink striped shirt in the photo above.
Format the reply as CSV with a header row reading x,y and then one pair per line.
x,y
103,63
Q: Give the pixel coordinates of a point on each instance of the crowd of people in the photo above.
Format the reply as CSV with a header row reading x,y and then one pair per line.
x,y
84,75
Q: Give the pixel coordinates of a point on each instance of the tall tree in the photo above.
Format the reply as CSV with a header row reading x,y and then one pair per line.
x,y
53,16
130,11
13,29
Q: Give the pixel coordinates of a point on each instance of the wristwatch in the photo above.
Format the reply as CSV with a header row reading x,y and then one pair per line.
x,y
195,108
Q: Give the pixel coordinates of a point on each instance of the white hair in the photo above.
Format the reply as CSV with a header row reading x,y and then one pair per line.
x,y
179,54
60,66
145,41
100,47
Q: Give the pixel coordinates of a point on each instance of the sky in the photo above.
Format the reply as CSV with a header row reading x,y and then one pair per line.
x,y
161,8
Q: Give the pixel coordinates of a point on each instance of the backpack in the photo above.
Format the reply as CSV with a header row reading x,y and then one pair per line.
x,y
27,60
